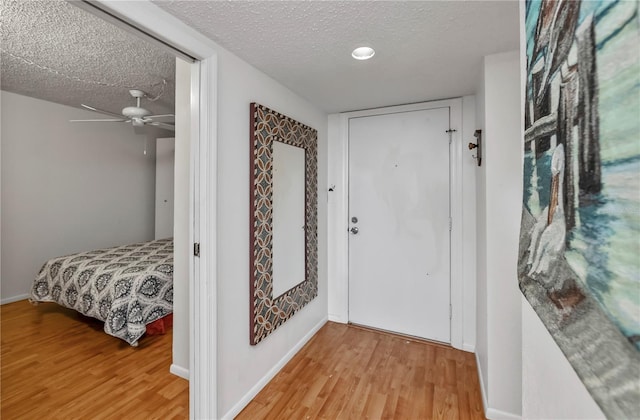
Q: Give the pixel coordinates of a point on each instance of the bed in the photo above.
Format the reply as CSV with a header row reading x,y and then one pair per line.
x,y
127,287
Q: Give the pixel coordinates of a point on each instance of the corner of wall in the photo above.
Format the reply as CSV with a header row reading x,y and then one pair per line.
x,y
481,241
469,225
499,197
337,304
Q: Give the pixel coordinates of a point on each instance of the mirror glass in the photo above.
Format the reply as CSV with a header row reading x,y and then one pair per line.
x,y
283,225
288,217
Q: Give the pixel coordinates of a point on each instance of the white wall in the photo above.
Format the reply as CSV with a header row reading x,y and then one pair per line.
x,y
499,207
182,196
68,187
242,368
1,189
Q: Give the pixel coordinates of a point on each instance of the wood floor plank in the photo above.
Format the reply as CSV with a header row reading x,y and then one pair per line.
x,y
349,372
56,364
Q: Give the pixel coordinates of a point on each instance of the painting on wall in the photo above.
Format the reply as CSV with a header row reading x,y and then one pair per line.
x,y
579,259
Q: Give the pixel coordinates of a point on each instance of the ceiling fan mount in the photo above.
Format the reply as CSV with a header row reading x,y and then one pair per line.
x,y
137,93
136,115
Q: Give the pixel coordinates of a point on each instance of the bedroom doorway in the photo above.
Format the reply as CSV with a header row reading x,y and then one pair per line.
x,y
151,23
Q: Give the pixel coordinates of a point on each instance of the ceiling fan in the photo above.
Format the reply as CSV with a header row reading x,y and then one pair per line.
x,y
136,115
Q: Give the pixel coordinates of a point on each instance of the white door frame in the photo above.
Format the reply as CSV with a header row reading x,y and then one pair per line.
x,y
154,21
339,209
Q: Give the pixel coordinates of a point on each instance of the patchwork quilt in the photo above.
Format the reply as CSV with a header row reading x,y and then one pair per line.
x,y
127,286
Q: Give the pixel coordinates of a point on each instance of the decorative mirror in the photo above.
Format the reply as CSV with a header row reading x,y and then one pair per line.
x,y
283,219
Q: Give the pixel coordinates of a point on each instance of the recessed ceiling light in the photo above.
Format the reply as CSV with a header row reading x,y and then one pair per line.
x,y
363,53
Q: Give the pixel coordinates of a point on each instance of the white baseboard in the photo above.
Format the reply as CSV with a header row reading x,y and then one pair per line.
x,y
492,413
468,347
14,299
244,401
337,318
482,390
179,371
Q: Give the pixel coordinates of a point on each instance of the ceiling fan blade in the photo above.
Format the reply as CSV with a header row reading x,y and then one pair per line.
x,y
102,111
163,125
105,120
160,116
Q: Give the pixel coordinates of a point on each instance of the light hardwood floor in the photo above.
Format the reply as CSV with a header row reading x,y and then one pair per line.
x,y
347,372
58,365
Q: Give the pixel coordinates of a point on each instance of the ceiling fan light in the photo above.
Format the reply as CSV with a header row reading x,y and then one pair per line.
x,y
363,53
135,112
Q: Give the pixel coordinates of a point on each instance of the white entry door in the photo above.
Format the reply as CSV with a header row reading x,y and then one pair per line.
x,y
399,252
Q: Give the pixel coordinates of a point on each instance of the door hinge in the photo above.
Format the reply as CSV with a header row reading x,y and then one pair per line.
x,y
196,249
450,224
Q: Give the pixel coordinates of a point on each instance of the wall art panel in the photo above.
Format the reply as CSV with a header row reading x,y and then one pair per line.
x,y
579,263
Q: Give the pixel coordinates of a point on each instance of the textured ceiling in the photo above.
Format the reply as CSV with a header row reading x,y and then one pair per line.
x,y
55,51
424,49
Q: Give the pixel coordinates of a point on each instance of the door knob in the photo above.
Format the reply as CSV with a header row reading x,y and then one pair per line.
x,y
354,230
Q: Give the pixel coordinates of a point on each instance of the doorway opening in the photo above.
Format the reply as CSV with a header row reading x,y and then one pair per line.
x,y
150,22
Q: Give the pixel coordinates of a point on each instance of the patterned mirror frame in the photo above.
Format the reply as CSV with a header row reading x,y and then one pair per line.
x,y
268,312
